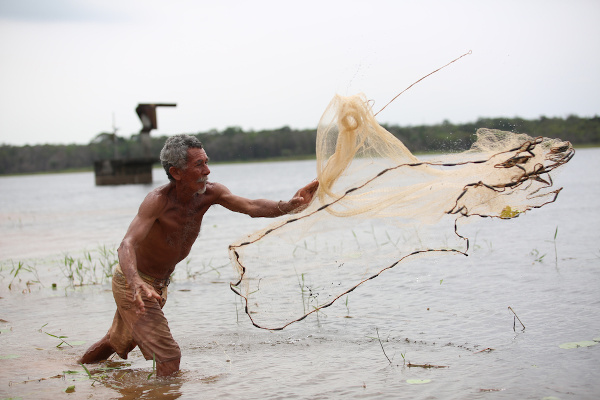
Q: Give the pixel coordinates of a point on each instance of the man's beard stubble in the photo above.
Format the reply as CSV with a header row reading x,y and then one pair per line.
x,y
205,181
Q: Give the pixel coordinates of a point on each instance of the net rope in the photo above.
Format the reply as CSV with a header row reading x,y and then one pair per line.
x,y
379,206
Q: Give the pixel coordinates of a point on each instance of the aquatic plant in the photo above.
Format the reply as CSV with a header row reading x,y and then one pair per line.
x,y
108,259
555,251
207,267
302,289
89,270
61,338
515,319
395,244
536,256
381,344
19,268
98,377
347,308
153,366
188,268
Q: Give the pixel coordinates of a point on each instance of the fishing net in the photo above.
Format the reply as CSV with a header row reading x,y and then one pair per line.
x,y
379,206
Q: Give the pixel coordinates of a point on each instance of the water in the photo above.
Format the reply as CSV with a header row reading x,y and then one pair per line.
x,y
450,312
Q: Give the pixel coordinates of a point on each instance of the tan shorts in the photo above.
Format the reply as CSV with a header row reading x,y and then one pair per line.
x,y
149,331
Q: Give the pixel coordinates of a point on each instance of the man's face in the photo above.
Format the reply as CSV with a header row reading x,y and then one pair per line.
x,y
196,172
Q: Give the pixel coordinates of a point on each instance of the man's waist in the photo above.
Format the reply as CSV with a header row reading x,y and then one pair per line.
x,y
147,278
154,281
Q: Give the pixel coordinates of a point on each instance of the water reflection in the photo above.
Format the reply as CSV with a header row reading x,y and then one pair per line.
x,y
151,389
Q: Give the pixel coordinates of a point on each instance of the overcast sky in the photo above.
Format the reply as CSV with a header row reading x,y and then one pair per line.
x,y
67,66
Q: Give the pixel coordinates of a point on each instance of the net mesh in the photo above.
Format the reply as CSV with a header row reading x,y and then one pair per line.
x,y
379,206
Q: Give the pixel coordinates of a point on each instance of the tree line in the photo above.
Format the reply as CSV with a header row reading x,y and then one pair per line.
x,y
234,144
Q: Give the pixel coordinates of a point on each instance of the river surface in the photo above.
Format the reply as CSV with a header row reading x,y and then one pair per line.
x,y
446,329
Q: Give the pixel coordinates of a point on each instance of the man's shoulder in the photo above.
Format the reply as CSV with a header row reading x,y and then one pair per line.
x,y
215,190
157,198
215,187
161,192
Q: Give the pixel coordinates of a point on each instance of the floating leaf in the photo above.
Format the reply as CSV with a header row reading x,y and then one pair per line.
x,y
417,381
9,356
574,345
70,372
507,213
70,389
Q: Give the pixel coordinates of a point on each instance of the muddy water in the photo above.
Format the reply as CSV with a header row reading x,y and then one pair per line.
x,y
449,314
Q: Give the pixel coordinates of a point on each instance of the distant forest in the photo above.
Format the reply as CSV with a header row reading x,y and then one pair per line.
x,y
234,144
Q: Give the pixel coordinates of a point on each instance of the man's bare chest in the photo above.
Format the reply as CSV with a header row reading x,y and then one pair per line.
x,y
179,227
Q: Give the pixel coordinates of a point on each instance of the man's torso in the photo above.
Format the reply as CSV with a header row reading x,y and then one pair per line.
x,y
173,233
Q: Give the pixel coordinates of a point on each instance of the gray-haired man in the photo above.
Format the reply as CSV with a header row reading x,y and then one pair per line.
x,y
161,235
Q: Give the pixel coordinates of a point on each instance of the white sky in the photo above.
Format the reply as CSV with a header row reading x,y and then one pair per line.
x,y
68,66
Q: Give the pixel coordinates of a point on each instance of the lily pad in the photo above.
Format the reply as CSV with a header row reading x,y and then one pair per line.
x,y
574,345
417,381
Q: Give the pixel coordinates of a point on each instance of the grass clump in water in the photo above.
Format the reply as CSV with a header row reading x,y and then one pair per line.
x,y
89,270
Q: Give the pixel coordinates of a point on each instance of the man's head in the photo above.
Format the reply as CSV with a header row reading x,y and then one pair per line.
x,y
174,152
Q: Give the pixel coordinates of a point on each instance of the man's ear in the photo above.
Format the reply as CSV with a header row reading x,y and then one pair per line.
x,y
175,173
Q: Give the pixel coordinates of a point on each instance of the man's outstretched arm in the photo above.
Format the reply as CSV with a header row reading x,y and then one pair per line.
x,y
262,207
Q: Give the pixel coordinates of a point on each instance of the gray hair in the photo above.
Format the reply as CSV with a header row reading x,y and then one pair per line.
x,y
174,152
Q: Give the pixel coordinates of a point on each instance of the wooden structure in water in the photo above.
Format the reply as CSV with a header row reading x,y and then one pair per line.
x,y
123,171
132,170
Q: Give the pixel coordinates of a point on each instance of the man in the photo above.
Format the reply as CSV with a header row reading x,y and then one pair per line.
x,y
161,235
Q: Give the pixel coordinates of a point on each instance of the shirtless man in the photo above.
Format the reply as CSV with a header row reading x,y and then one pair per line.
x,y
161,235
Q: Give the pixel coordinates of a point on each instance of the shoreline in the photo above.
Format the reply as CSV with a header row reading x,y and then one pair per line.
x,y
262,160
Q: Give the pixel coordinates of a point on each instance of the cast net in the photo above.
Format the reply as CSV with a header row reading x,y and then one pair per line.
x,y
410,207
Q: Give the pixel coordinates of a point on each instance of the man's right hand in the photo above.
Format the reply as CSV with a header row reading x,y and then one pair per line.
x,y
141,288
